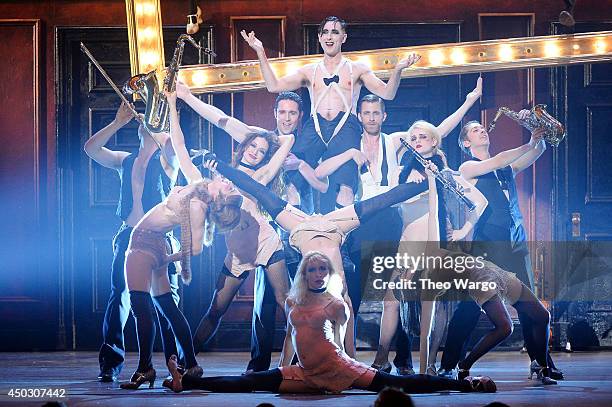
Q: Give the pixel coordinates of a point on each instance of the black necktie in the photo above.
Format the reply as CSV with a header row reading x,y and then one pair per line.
x,y
329,81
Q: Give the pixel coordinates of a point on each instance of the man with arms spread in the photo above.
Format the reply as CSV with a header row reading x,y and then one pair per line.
x,y
334,84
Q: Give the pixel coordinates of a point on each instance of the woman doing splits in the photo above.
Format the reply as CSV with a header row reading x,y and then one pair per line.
x,y
197,208
507,287
317,317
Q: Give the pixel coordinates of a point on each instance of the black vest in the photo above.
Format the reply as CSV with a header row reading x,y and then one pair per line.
x,y
408,162
157,185
497,215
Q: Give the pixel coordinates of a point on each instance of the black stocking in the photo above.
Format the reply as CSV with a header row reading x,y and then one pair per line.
x,y
179,325
417,383
539,322
498,314
269,380
143,311
271,203
369,207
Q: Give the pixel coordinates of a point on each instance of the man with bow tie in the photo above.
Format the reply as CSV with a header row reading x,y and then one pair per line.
x,y
334,84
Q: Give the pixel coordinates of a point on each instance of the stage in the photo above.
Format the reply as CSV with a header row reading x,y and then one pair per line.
x,y
589,383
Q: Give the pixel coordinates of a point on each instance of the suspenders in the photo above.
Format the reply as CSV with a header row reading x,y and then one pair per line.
x,y
336,87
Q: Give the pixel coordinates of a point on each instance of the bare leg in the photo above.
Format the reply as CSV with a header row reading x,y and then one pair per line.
x,y
279,280
226,289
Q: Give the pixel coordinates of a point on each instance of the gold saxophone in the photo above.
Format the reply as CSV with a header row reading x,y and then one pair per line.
x,y
156,118
538,118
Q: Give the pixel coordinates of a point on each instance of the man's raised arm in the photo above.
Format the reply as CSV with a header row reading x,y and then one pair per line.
x,y
387,90
94,147
273,84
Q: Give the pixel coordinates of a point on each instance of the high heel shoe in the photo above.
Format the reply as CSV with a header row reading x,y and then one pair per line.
x,y
431,370
138,378
195,371
542,373
462,373
386,367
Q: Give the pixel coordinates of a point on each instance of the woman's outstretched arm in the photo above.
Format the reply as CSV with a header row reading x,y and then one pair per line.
x,y
234,127
191,172
267,173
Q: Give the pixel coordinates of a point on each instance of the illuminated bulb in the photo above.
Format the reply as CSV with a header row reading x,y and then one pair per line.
x,y
139,8
198,78
146,33
149,8
364,59
436,57
458,57
576,47
149,58
600,46
551,50
291,67
506,53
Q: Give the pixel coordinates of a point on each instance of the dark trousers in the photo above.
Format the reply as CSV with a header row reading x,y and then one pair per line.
x,y
310,148
112,351
264,320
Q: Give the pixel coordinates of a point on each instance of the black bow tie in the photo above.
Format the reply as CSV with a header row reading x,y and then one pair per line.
x,y
329,81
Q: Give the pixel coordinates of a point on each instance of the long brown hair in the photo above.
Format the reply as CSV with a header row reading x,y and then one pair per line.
x,y
276,185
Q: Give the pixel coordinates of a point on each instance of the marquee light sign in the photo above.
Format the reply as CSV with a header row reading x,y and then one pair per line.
x,y
147,53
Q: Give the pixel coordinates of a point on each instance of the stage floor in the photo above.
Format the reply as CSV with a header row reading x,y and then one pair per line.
x,y
589,383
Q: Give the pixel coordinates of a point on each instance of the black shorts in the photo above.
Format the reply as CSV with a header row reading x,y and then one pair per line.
x,y
275,258
310,148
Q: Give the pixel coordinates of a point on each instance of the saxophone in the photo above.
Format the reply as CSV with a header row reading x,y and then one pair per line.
x,y
156,117
538,118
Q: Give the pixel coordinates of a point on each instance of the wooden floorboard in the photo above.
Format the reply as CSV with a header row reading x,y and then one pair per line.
x,y
589,383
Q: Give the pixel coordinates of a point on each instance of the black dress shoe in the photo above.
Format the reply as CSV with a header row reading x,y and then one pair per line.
x,y
107,376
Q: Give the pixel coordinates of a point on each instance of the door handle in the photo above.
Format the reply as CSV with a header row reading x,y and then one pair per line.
x,y
575,224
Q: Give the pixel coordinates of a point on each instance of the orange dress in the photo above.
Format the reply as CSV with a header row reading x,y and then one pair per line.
x,y
322,366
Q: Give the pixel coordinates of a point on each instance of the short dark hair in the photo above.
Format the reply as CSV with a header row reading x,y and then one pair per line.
x,y
333,19
372,99
463,136
289,96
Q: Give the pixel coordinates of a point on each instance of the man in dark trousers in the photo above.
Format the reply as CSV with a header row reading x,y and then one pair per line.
x,y
146,178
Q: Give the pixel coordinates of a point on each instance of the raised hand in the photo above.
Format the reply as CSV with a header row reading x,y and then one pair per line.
x,y
210,164
291,163
408,61
182,90
538,134
430,168
252,40
124,114
477,92
170,97
415,177
359,157
523,114
458,234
